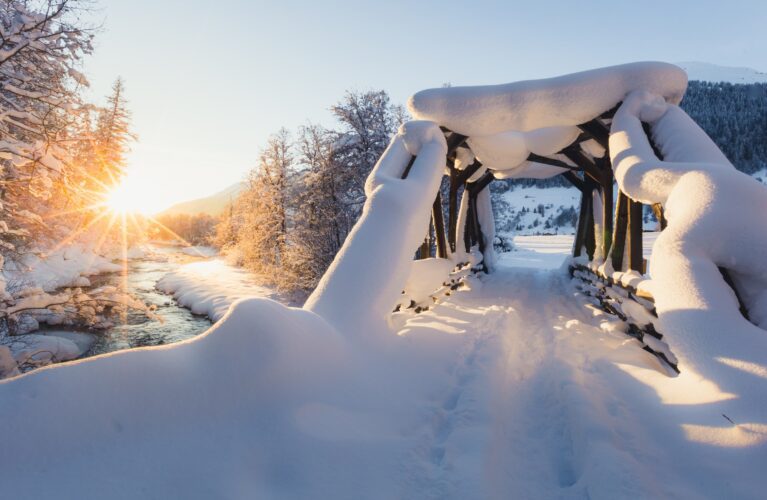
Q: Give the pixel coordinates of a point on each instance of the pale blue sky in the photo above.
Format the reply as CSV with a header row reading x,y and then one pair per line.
x,y
209,81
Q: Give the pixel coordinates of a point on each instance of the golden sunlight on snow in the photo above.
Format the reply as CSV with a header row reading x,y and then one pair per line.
x,y
688,388
746,366
734,436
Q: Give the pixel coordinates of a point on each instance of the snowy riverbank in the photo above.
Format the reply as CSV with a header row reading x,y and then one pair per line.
x,y
210,287
41,336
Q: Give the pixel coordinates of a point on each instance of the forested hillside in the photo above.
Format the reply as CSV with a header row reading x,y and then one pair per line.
x,y
735,117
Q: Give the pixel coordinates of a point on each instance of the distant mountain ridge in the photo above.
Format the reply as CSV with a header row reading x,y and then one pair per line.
x,y
707,72
214,204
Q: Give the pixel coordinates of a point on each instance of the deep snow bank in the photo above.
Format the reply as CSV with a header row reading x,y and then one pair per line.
x,y
367,276
707,204
67,267
210,287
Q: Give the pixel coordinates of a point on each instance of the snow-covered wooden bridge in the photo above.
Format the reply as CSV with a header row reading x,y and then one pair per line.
x,y
517,390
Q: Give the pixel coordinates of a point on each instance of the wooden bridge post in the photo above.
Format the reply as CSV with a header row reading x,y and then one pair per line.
x,y
438,220
585,220
636,260
657,209
618,244
452,206
607,205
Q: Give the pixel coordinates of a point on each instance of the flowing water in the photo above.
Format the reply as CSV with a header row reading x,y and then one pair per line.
x,y
178,323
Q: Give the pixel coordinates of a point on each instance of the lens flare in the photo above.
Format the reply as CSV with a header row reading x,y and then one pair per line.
x,y
126,198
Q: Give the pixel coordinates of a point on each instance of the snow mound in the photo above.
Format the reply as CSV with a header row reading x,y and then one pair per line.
x,y
364,283
529,105
707,203
62,268
505,123
211,287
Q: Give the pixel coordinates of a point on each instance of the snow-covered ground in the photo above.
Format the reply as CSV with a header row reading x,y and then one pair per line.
x,y
199,251
514,389
66,267
545,400
550,252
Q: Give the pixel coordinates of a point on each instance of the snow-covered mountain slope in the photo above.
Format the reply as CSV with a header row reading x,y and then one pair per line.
x,y
533,210
214,204
708,72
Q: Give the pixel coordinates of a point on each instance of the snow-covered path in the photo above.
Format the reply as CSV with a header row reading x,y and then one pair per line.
x,y
514,389
540,404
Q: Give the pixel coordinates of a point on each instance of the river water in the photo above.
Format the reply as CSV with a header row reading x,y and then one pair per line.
x,y
139,330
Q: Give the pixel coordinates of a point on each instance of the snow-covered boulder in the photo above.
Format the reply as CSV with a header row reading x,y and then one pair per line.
x,y
41,350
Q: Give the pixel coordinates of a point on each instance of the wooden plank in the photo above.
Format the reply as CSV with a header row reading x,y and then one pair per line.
x,y
575,155
657,209
481,183
618,245
464,175
452,208
454,142
551,161
574,180
468,227
636,261
409,165
597,130
438,221
607,204
587,198
425,251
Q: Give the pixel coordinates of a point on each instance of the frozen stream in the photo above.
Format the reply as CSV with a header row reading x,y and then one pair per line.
x,y
178,322
138,331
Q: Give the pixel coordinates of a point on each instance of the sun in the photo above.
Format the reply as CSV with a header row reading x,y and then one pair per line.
x,y
118,201
126,198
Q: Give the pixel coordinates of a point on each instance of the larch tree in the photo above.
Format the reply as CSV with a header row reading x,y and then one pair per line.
x,y
262,210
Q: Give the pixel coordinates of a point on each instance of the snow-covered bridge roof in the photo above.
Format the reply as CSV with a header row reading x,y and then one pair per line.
x,y
505,123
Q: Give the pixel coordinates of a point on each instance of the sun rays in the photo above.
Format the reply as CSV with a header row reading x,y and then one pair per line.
x,y
112,220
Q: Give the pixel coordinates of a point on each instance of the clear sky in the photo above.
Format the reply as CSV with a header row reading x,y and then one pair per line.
x,y
208,81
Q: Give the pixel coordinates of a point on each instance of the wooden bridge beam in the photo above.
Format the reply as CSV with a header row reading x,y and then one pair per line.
x,y
575,181
551,161
597,130
575,155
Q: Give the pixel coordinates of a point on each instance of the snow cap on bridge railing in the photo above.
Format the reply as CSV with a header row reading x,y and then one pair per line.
x,y
533,104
